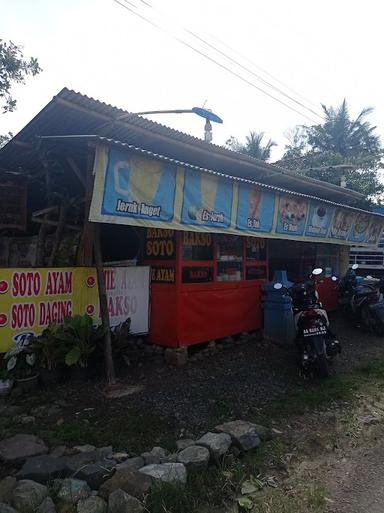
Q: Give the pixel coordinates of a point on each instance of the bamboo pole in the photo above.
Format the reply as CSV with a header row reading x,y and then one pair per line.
x,y
104,313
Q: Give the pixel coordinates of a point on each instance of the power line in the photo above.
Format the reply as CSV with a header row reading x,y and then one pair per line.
x,y
248,70
181,41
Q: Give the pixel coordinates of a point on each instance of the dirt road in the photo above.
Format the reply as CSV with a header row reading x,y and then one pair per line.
x,y
363,489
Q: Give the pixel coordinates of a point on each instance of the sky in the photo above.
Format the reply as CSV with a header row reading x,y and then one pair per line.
x,y
316,52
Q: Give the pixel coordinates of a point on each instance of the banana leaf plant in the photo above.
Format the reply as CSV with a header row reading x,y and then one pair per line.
x,y
82,338
50,347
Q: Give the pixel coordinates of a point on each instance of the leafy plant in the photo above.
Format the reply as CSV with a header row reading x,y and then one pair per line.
x,y
51,347
21,361
82,338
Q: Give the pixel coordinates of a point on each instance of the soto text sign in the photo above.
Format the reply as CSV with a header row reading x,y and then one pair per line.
x,y
32,299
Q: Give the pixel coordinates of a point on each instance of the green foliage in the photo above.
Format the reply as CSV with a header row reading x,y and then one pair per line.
x,y
13,70
339,146
50,347
81,338
21,362
253,146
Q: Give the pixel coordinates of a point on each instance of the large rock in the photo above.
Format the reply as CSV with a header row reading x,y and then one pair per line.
x,y
243,433
6,508
42,468
194,457
218,444
96,473
73,490
105,453
130,481
131,463
6,486
166,472
19,447
184,443
80,460
121,502
92,505
28,495
263,432
47,506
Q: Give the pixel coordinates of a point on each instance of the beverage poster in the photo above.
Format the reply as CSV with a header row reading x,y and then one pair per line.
x,y
291,215
360,228
255,210
207,200
139,188
342,223
374,231
319,219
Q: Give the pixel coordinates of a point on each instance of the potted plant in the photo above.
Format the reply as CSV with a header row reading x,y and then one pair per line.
x,y
21,365
82,338
50,350
6,382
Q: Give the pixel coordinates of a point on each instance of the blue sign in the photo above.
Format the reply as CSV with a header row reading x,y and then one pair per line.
x,y
319,219
139,188
255,209
292,215
207,200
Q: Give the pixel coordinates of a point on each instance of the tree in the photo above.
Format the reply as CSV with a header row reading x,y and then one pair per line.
x,y
253,146
13,69
339,146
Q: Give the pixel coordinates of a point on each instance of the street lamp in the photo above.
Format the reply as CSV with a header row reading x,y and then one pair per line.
x,y
204,113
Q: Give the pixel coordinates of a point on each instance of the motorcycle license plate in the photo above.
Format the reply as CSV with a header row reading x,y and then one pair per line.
x,y
314,331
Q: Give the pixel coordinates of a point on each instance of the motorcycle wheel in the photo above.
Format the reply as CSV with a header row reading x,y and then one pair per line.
x,y
321,367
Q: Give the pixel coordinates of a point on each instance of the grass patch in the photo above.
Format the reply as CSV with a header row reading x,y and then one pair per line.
x,y
131,432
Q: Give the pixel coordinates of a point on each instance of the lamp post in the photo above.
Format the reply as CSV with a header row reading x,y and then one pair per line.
x,y
204,113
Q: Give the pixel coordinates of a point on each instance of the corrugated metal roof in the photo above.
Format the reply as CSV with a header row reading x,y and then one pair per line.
x,y
141,151
73,113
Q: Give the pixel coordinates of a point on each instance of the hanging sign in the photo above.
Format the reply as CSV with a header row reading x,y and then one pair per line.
x,y
163,196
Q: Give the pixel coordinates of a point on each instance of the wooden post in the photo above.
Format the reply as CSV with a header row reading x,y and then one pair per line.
x,y
92,243
104,313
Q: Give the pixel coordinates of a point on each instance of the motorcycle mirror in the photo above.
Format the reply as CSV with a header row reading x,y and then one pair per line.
x,y
334,278
277,286
317,271
355,266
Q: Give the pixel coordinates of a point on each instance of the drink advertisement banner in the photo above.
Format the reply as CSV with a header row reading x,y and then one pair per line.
x,y
319,219
161,195
255,209
291,215
342,223
207,200
32,299
139,188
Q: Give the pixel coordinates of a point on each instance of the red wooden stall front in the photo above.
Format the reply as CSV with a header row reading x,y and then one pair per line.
x,y
203,286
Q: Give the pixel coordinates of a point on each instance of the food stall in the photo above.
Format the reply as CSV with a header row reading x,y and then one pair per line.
x,y
204,286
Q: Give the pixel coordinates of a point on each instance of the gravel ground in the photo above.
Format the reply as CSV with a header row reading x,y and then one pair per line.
x,y
234,383
239,380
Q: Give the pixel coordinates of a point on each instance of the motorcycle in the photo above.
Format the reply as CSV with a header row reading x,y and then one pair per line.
x,y
316,344
362,300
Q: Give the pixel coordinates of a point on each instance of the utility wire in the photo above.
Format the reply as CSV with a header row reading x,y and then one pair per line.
x,y
248,70
181,41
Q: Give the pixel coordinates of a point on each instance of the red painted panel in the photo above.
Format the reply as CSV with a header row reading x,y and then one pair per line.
x,y
215,312
163,316
327,290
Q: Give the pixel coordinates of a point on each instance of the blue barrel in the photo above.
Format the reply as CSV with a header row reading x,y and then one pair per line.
x,y
278,315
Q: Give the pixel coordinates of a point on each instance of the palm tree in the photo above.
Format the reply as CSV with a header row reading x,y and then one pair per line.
x,y
253,146
339,134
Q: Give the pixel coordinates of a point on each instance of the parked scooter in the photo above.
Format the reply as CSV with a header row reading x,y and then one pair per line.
x,y
363,301
315,342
